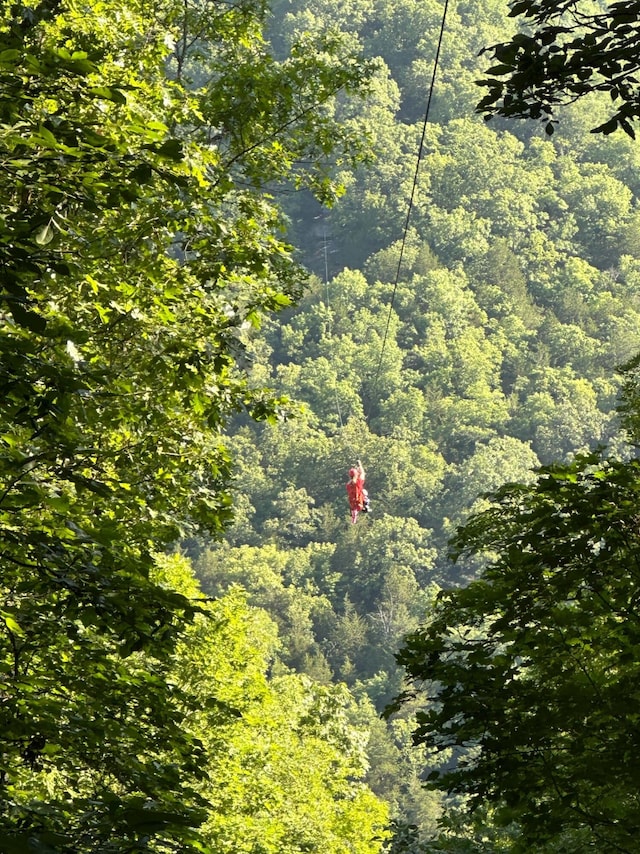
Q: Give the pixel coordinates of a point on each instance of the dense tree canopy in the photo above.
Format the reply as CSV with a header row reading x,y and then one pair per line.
x,y
149,153
284,759
137,245
530,671
516,297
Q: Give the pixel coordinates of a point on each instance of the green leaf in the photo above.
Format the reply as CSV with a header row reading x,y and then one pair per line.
x,y
171,149
9,55
44,135
45,235
11,623
108,93
28,319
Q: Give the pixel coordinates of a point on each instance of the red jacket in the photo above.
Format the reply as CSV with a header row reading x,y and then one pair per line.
x,y
354,493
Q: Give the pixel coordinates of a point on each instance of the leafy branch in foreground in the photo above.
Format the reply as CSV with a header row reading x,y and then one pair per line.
x,y
565,51
134,264
530,673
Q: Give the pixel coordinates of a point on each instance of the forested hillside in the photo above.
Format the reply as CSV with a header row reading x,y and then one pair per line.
x,y
517,297
210,310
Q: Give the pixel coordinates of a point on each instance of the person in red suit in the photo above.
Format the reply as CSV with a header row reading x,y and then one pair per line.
x,y
356,493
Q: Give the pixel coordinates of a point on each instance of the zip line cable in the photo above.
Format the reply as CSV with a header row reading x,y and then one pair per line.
x,y
326,287
406,223
413,193
325,249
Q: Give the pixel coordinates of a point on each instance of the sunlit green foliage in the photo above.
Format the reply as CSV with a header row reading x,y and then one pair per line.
x,y
284,759
137,247
516,296
143,147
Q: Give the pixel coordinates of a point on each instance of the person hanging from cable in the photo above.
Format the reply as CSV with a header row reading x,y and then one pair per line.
x,y
356,493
